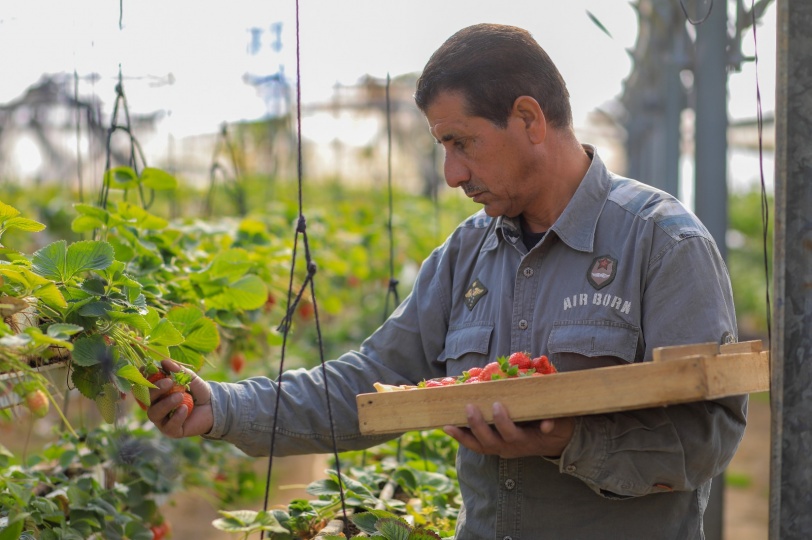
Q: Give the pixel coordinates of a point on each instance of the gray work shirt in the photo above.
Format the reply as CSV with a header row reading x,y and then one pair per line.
x,y
626,268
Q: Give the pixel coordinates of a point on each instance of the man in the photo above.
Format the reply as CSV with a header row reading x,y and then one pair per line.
x,y
565,259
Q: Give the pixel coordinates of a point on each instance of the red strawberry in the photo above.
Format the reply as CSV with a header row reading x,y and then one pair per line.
x,y
37,403
160,531
472,373
542,365
181,385
269,303
237,362
432,383
491,372
520,359
447,381
306,309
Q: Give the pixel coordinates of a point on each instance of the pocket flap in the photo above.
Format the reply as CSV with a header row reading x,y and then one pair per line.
x,y
594,338
467,339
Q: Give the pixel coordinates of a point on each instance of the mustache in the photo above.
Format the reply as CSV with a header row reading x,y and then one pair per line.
x,y
469,188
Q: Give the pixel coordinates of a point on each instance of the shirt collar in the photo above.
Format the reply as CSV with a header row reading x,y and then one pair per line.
x,y
577,224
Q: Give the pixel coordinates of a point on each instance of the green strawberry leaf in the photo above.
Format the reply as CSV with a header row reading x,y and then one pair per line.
x,y
7,211
121,178
132,374
158,179
164,333
87,255
24,224
89,351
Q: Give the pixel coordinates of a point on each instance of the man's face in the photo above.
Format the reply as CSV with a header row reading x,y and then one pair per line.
x,y
492,165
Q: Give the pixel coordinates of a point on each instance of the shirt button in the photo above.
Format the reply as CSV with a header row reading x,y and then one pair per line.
x,y
507,538
528,272
510,483
571,468
523,324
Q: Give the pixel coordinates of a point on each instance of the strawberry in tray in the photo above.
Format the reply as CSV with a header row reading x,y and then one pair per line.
x,y
518,364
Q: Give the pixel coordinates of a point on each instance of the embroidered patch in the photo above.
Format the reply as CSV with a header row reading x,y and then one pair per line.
x,y
476,291
602,271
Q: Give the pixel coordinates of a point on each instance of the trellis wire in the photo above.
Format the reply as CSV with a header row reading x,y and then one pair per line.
x,y
765,209
301,229
393,283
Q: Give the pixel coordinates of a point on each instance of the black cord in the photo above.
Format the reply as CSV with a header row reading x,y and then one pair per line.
x,y
393,283
765,207
301,229
695,22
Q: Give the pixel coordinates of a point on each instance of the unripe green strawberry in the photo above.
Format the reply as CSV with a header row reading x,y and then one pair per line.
x,y
106,403
37,403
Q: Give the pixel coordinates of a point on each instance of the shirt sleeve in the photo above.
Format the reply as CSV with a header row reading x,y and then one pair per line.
x,y
403,350
687,299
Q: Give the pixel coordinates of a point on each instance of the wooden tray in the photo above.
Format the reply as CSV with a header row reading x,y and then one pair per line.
x,y
678,374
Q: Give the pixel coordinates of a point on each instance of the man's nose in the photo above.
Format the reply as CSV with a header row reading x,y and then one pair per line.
x,y
456,172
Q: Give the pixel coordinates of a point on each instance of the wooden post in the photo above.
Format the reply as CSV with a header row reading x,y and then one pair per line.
x,y
791,347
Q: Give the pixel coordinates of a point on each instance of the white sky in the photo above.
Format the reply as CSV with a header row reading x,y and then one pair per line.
x,y
204,45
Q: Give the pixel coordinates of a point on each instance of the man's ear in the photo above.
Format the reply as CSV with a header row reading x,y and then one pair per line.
x,y
528,110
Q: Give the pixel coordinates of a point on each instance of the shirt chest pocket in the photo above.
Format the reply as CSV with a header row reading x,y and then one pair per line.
x,y
574,345
466,347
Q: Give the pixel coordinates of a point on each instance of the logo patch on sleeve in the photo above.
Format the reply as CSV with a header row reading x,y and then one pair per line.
x,y
476,291
602,271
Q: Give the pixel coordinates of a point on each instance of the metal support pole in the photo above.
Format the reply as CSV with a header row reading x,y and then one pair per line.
x,y
791,347
710,192
710,84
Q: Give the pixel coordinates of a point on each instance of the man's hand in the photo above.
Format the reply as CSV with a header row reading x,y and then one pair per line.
x,y
509,440
180,423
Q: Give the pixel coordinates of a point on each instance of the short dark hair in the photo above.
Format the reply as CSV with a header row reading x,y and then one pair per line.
x,y
492,65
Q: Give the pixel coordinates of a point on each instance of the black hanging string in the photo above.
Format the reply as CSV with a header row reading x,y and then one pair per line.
x,y
309,283
765,207
393,283
696,22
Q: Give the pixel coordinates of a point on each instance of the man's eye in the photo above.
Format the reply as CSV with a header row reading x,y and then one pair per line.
x,y
460,143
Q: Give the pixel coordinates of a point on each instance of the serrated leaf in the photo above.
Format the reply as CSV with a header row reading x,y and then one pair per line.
x,y
231,265
141,217
186,356
63,330
95,286
88,380
7,211
83,224
164,333
200,332
24,224
49,261
136,320
393,529
88,255
89,351
50,294
245,294
366,520
132,374
248,521
92,211
158,179
121,178
95,309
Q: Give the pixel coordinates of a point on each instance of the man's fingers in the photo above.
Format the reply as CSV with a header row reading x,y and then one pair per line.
x,y
507,429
